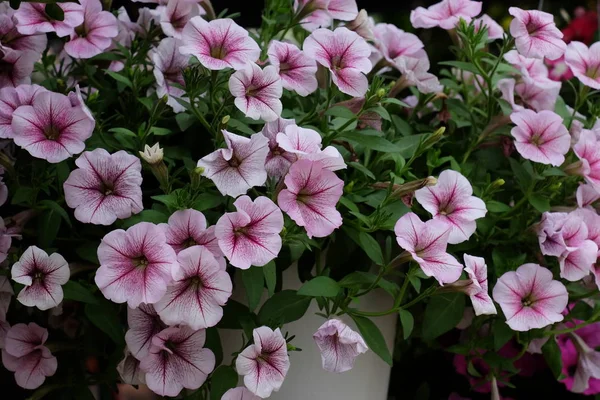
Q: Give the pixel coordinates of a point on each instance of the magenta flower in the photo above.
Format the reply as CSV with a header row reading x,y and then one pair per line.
x,y
240,166
310,197
239,393
426,242
265,363
494,30
345,54
476,269
278,160
588,151
339,345
393,42
451,201
95,34
17,66
445,14
144,323
536,34
530,298
51,128
24,354
540,137
175,16
12,98
219,44
129,370
200,288
105,187
135,265
257,92
43,277
585,63
177,360
10,37
296,70
187,228
250,236
32,18
580,361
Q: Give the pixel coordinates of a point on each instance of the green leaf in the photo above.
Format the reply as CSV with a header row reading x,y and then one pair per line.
x,y
41,393
206,201
362,280
240,126
408,322
539,202
554,172
253,279
120,78
54,12
52,205
75,291
409,144
358,166
321,286
443,313
553,358
391,100
270,273
383,113
284,307
89,252
147,102
106,318
465,66
502,334
49,225
371,247
233,312
123,131
523,177
497,207
371,141
221,380
160,131
23,195
373,337
213,342
185,120
415,281
154,216
341,112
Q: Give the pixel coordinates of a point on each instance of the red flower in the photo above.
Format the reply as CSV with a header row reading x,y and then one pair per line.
x,y
582,28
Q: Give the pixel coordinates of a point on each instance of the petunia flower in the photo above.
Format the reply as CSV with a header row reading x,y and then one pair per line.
x,y
579,263
343,10
310,197
313,13
530,93
494,30
530,298
32,18
250,236
476,269
445,14
393,42
51,128
363,25
12,98
6,294
265,363
10,37
169,64
570,361
144,323
177,360
586,195
296,70
105,187
76,99
239,393
536,34
16,66
558,70
43,277
135,265
278,161
175,16
219,44
584,62
588,151
240,166
414,70
550,235
257,92
129,370
588,364
24,354
540,137
345,54
451,201
426,242
531,69
200,289
339,345
95,35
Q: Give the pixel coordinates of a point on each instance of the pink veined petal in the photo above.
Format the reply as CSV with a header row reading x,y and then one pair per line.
x,y
584,62
23,339
239,393
129,370
175,16
344,10
339,346
299,140
296,70
577,264
33,368
144,323
445,14
535,34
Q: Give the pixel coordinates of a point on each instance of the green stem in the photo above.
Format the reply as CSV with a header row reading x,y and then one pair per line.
x,y
373,285
423,295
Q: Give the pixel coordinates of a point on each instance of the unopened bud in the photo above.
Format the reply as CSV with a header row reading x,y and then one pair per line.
x,y
575,168
381,93
225,120
152,155
434,138
497,183
199,170
463,286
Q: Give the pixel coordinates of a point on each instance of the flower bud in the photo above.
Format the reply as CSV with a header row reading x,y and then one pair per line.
x,y
575,168
381,93
497,183
434,138
362,25
199,170
225,120
152,155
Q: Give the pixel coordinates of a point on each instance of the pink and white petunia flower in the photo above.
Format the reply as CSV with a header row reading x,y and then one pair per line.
x,y
536,34
6,294
414,70
136,265
476,269
239,393
296,70
12,98
550,235
175,16
51,128
579,263
588,363
530,298
24,354
540,137
76,99
200,289
250,236
494,30
240,166
313,13
310,197
531,69
588,151
278,160
219,44
530,93
265,363
345,54
445,14
169,64
17,66
451,201
426,242
581,235
339,345
586,195
257,92
393,42
95,35
105,187
144,323
10,37
584,63
177,360
43,277
129,370
343,10
32,18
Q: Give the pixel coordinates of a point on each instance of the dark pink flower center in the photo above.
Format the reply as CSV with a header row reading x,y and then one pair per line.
x,y
189,242
234,162
218,52
52,132
527,301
